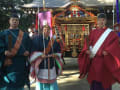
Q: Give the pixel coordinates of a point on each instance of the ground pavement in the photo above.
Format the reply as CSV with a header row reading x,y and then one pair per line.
x,y
69,80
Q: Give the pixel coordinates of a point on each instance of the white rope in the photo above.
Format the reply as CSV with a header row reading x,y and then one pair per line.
x,y
113,13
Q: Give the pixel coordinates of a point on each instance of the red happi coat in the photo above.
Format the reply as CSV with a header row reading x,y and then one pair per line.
x,y
104,69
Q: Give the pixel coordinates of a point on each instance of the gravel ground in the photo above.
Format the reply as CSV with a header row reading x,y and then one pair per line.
x,y
70,81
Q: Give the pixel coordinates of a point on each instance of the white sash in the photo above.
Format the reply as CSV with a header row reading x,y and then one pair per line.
x,y
99,43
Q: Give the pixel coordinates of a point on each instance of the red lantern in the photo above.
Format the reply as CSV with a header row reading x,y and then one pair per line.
x,y
71,14
78,14
83,28
65,27
74,12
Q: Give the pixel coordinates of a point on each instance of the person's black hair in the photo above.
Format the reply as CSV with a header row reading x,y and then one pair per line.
x,y
14,15
101,15
46,26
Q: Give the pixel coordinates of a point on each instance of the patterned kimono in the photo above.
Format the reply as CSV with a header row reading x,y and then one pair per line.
x,y
15,76
45,71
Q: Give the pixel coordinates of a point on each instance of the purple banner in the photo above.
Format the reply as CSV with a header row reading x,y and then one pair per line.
x,y
45,19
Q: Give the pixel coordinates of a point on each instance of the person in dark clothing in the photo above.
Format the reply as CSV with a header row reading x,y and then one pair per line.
x,y
14,49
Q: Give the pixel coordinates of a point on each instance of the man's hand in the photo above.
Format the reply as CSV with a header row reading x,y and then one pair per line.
x,y
8,54
104,53
26,53
54,56
7,62
88,52
43,56
48,56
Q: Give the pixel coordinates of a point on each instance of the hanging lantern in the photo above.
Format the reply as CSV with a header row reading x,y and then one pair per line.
x,y
29,12
74,12
25,11
65,27
83,28
71,14
33,12
78,14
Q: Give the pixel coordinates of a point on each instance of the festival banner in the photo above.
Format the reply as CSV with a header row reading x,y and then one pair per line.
x,y
45,18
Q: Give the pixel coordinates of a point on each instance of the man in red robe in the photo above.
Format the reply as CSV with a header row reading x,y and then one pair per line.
x,y
103,68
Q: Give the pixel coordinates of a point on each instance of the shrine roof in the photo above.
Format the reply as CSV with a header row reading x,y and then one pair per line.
x,y
64,3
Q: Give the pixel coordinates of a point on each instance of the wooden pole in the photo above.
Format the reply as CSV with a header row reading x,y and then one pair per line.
x,y
38,21
43,4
